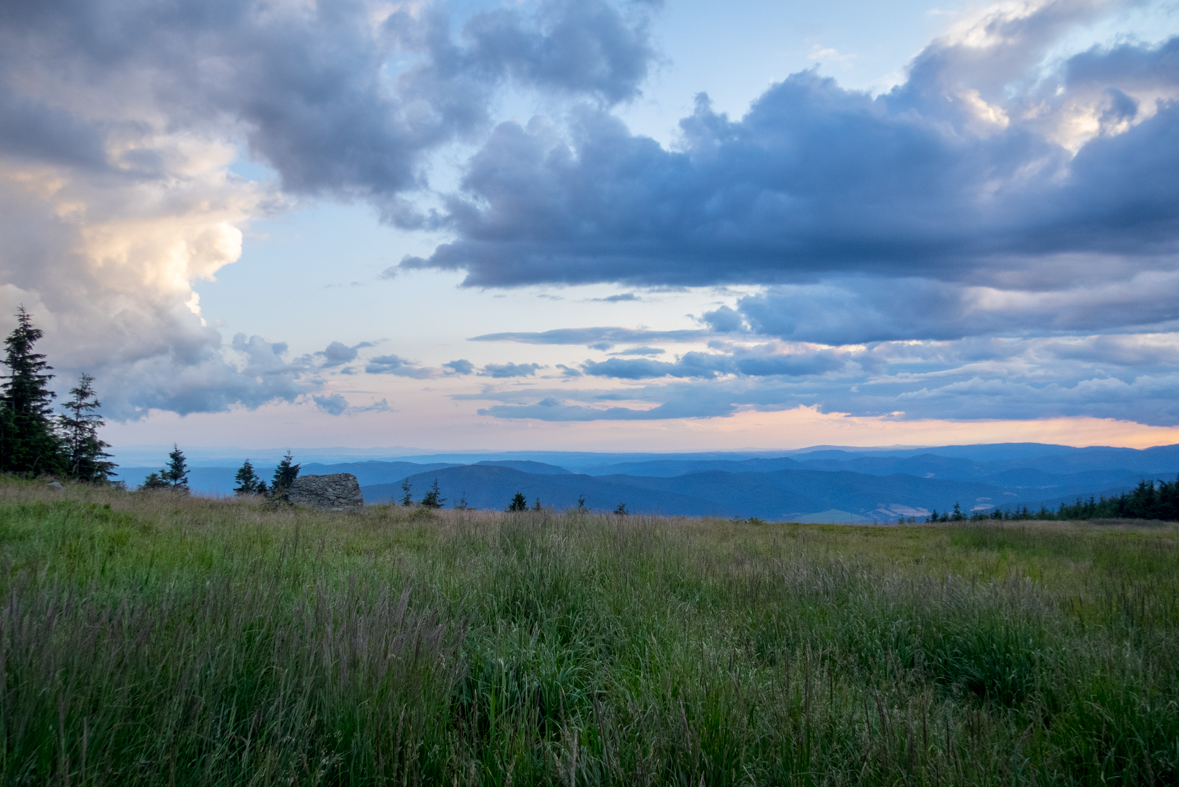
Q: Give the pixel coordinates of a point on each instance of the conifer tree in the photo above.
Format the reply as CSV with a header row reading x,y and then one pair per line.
x,y
28,443
86,457
581,504
536,506
284,475
176,473
406,497
433,498
247,480
461,503
154,481
519,503
621,510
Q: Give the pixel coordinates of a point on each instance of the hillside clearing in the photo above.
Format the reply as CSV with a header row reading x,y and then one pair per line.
x,y
154,638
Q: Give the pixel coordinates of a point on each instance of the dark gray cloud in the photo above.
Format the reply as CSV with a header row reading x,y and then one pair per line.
x,y
578,46
845,310
511,369
971,174
306,84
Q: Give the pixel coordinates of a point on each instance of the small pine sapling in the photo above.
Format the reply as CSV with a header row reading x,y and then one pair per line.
x,y
406,497
621,510
433,498
154,481
247,480
581,507
519,503
284,476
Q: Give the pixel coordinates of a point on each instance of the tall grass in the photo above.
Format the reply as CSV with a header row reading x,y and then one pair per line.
x,y
153,639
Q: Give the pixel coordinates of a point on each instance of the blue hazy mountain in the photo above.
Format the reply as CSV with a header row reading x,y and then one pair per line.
x,y
525,466
780,494
855,484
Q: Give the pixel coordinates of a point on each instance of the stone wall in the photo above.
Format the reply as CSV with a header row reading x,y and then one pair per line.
x,y
337,492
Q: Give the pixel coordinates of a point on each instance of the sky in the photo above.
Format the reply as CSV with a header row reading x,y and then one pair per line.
x,y
624,225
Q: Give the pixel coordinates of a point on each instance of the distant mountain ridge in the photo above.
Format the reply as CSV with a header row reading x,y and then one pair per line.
x,y
855,484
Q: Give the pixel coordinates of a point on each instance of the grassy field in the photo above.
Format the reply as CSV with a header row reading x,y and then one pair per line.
x,y
153,639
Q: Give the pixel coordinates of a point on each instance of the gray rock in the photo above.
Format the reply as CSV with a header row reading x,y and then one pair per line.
x,y
53,485
337,492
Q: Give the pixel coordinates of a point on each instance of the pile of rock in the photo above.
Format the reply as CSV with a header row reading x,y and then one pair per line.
x,y
336,492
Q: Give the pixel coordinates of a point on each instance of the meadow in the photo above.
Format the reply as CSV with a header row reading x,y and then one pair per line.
x,y
151,638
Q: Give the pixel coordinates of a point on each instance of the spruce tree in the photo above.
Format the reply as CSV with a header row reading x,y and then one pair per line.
x,y
86,457
406,497
176,473
284,475
247,480
28,443
581,504
536,506
433,498
154,481
519,503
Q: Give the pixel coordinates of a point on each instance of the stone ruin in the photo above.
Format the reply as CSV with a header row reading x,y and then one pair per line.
x,y
336,492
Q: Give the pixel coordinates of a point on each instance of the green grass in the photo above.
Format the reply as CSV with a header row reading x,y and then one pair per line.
x,y
151,639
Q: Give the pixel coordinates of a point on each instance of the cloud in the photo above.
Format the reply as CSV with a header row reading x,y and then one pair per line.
x,y
338,354
1130,377
460,366
758,361
690,365
511,369
335,404
583,47
644,350
399,367
553,409
378,406
620,298
981,178
724,320
857,309
119,122
591,336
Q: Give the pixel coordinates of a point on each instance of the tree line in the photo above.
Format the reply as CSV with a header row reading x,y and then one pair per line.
x,y
433,499
33,440
1149,500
